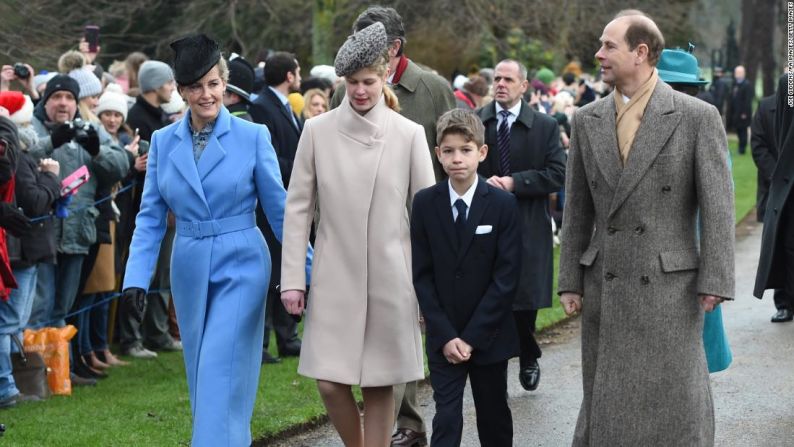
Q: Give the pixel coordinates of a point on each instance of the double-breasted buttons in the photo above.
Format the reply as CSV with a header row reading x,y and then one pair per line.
x,y
639,230
593,184
526,181
666,188
458,274
612,230
610,276
645,280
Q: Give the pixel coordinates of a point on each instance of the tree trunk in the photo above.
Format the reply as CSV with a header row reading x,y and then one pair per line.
x,y
757,40
323,12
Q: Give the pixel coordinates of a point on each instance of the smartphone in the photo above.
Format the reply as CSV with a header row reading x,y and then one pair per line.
x,y
91,34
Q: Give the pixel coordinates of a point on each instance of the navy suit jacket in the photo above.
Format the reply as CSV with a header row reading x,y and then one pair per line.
x,y
466,288
267,109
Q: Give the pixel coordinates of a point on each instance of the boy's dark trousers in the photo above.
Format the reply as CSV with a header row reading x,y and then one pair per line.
x,y
489,388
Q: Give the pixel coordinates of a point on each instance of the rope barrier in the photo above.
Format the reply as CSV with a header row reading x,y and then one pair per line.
x,y
91,306
97,202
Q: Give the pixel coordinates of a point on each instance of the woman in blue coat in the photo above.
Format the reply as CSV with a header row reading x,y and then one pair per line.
x,y
209,169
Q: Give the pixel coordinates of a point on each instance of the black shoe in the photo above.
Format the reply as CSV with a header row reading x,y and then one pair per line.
x,y
85,371
293,350
268,359
81,381
530,376
782,316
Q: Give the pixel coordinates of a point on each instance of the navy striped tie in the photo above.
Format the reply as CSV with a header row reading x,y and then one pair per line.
x,y
503,141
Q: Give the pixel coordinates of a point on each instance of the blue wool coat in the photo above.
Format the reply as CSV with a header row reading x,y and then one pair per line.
x,y
220,266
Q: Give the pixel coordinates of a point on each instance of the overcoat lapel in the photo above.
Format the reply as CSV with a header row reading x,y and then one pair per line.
x,y
214,152
182,158
658,123
601,130
478,206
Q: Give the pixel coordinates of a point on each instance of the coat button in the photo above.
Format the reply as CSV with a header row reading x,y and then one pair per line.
x,y
612,230
609,276
458,274
645,280
593,184
666,188
526,181
639,230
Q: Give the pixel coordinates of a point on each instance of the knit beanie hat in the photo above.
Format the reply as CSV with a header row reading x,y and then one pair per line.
x,y
153,75
545,75
61,82
42,78
112,100
12,101
89,83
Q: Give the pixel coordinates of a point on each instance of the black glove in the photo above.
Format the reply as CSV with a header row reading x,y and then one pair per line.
x,y
62,135
13,221
91,142
133,301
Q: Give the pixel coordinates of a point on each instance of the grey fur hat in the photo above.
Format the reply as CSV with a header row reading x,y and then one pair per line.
x,y
361,49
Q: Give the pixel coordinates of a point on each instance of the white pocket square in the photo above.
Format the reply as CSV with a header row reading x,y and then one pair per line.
x,y
483,229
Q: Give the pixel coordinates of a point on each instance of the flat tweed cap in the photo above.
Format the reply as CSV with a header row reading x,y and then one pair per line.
x,y
361,49
194,56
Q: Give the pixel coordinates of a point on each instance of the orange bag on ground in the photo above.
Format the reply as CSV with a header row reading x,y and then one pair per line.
x,y
53,345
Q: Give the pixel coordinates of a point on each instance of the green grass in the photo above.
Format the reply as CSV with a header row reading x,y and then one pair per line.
x,y
146,404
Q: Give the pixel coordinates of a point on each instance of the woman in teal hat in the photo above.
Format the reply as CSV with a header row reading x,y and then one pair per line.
x,y
679,68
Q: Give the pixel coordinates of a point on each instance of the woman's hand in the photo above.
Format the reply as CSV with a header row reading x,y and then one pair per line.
x,y
293,301
133,146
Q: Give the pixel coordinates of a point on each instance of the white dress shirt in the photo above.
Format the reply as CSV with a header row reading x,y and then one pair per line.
x,y
467,198
514,111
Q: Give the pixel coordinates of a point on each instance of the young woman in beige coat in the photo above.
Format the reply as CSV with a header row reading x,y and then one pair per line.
x,y
361,163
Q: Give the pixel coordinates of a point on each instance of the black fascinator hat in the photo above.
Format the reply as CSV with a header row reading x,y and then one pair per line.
x,y
194,56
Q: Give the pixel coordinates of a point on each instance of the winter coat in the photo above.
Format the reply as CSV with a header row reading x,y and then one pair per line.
x,y
77,232
537,162
631,248
362,321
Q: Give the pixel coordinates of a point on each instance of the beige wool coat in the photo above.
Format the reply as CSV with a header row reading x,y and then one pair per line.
x,y
362,319
630,247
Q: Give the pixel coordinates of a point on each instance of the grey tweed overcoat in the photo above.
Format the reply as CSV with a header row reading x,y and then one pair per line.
x,y
630,247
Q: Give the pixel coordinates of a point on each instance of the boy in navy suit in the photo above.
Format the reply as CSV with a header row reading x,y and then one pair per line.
x,y
465,244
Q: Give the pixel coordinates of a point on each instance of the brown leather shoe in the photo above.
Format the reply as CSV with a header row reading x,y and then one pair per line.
x,y
405,437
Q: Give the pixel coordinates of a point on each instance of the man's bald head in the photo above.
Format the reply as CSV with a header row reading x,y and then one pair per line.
x,y
642,30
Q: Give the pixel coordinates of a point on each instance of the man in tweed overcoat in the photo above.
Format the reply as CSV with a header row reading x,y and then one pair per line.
x,y
643,161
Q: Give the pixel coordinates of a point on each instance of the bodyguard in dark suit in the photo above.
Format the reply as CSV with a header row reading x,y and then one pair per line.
x,y
271,108
464,240
740,108
765,154
525,159
776,266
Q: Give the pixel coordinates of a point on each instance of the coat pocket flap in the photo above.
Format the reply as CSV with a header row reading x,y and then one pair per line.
x,y
589,256
679,260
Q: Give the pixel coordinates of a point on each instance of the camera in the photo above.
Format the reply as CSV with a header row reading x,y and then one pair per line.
x,y
21,71
81,129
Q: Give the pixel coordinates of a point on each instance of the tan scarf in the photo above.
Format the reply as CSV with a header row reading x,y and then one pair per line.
x,y
630,114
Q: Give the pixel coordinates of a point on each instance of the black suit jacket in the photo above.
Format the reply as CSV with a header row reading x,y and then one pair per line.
x,y
267,109
466,289
764,148
741,104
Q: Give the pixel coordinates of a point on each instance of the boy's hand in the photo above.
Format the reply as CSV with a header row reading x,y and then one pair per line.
x,y
457,351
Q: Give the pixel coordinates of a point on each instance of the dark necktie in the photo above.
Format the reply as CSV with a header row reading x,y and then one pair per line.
x,y
460,222
503,141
